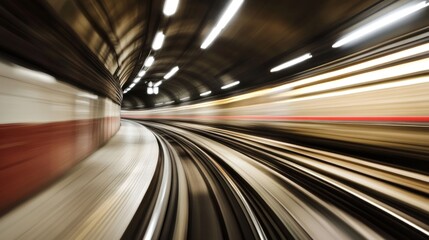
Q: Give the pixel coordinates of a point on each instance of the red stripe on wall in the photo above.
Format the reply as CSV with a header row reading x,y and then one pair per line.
x,y
32,155
296,118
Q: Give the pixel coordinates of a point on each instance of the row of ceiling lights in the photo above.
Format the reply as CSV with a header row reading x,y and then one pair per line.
x,y
202,94
362,31
170,8
233,8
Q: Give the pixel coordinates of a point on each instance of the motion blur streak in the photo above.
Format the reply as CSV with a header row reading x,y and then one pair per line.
x,y
253,184
88,203
46,122
336,154
376,80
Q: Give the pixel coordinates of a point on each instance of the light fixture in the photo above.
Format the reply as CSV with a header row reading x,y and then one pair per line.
x,y
157,84
184,98
155,90
159,104
230,85
291,62
205,93
149,61
380,23
136,80
158,41
141,73
170,7
132,85
223,21
169,102
171,72
149,90
150,84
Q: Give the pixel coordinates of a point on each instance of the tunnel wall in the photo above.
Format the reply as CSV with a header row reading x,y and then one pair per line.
x,y
391,117
46,127
386,105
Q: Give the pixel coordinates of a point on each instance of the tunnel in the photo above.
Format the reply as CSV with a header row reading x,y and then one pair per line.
x,y
214,119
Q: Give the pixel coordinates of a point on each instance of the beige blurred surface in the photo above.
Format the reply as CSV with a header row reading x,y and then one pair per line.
x,y
97,199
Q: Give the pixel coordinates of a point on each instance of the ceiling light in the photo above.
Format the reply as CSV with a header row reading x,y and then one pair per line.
x,y
136,80
150,84
155,90
185,98
169,102
157,84
170,7
291,62
158,41
171,72
380,23
141,73
132,85
149,90
149,61
223,21
230,85
205,93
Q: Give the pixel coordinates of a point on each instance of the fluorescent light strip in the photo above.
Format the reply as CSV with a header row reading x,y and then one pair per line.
x,y
159,104
149,90
149,61
361,66
136,80
380,23
170,7
171,72
205,93
230,85
132,85
158,41
292,62
141,73
157,84
223,21
184,99
169,102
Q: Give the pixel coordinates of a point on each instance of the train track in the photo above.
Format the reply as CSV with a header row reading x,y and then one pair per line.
x,y
215,183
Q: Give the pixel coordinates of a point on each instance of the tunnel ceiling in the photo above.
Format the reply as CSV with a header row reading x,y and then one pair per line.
x,y
262,32
101,45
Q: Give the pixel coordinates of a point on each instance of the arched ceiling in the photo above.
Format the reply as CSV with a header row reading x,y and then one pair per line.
x,y
261,32
101,45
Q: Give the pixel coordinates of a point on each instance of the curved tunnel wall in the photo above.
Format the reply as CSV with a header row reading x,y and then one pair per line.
x,y
382,105
46,127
